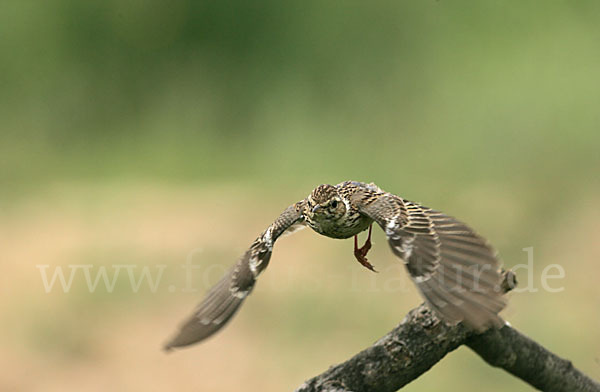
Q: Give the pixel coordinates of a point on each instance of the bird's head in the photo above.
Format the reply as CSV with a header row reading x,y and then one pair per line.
x,y
325,204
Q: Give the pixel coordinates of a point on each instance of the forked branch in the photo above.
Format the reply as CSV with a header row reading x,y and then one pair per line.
x,y
421,340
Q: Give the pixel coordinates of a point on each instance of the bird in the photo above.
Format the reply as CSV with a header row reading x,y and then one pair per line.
x,y
456,270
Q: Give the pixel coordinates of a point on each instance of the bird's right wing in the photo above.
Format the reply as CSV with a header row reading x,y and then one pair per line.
x,y
224,299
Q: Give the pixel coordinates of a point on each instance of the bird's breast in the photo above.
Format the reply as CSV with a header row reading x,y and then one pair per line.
x,y
345,227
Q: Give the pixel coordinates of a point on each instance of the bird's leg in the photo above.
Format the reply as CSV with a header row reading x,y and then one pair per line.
x,y
367,246
361,253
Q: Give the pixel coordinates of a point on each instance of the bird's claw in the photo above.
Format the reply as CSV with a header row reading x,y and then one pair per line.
x,y
360,256
361,253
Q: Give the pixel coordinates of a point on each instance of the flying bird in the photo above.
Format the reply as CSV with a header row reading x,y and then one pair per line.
x,y
456,270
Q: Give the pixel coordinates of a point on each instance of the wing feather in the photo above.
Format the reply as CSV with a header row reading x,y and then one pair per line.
x,y
224,299
455,269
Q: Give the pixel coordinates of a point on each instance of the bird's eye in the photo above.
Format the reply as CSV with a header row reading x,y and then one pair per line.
x,y
334,204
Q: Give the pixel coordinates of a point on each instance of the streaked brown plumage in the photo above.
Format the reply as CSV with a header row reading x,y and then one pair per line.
x,y
455,269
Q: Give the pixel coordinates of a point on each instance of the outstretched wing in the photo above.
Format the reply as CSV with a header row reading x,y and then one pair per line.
x,y
455,269
224,299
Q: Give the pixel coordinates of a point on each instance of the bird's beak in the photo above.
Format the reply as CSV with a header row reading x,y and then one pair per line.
x,y
315,208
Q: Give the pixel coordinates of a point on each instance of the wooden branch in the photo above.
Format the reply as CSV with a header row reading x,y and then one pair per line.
x,y
402,355
514,352
421,340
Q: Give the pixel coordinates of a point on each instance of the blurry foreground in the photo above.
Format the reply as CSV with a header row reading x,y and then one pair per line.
x,y
314,306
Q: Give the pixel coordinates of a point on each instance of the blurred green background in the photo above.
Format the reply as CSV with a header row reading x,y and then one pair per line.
x,y
133,132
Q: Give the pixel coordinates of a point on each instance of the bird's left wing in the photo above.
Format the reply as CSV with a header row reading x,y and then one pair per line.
x,y
455,269
224,299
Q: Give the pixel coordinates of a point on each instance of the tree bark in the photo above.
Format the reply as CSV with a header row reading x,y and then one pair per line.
x,y
514,352
421,340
